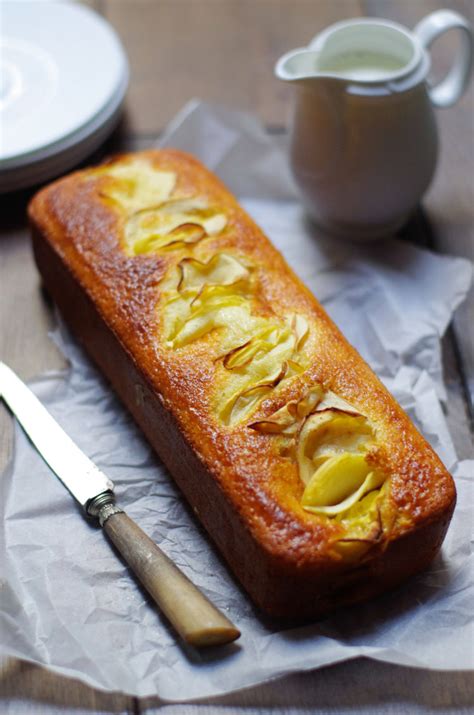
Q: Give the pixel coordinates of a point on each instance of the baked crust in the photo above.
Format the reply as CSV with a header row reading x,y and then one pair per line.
x,y
243,481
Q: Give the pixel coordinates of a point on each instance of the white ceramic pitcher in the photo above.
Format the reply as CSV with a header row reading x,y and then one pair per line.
x,y
364,138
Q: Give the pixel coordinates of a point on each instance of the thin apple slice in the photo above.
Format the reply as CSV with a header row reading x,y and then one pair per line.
x,y
222,269
136,185
339,483
329,432
300,328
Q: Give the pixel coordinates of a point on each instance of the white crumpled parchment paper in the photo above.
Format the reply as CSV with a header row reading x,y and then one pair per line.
x,y
67,601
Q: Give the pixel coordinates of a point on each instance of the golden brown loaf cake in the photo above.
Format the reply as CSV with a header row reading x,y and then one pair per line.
x,y
311,480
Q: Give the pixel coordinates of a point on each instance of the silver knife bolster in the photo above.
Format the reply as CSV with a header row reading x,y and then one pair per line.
x,y
102,506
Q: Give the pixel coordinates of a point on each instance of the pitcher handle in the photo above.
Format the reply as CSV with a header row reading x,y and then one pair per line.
x,y
451,88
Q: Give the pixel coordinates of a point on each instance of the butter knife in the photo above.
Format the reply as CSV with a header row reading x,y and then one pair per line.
x,y
193,616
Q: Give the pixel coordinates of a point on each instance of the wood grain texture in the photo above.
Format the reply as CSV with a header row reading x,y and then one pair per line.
x,y
250,35
360,687
27,689
217,50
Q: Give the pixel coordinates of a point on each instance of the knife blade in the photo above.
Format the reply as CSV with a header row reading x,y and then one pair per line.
x,y
76,471
193,616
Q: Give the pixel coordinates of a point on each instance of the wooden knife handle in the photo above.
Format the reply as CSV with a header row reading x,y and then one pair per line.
x,y
194,617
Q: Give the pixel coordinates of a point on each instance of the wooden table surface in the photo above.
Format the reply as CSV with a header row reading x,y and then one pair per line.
x,y
227,49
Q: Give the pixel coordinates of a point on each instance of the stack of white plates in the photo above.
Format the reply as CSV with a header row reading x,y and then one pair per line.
x,y
63,77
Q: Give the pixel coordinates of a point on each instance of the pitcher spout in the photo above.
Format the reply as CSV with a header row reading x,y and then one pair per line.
x,y
299,66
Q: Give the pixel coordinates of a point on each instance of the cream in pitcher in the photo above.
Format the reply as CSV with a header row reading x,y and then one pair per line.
x,y
364,138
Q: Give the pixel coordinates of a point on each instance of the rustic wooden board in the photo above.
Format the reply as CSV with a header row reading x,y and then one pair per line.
x,y
218,50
